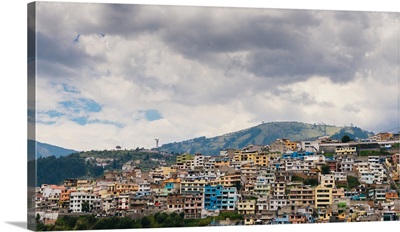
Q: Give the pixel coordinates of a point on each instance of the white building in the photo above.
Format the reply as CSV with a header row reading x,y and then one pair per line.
x,y
373,159
339,176
199,160
144,187
78,198
327,180
310,146
367,177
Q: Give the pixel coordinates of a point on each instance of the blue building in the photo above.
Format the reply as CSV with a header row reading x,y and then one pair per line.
x,y
296,155
229,198
213,197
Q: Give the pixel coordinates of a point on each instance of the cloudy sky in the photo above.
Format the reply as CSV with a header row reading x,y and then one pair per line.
x,y
124,75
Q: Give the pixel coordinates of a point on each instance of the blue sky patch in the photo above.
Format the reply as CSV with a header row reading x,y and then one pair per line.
x,y
106,122
81,104
70,89
54,113
80,120
152,115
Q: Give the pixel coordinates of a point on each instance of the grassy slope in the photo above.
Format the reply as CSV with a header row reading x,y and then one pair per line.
x,y
262,134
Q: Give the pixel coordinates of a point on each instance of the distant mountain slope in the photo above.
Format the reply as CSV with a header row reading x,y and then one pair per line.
x,y
263,134
46,150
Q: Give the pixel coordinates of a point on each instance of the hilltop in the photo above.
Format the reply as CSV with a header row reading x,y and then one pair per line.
x,y
46,150
263,134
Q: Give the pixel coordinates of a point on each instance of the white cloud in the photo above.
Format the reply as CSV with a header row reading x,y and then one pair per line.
x,y
210,71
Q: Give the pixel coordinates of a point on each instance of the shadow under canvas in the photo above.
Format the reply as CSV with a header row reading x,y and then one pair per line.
x,y
18,224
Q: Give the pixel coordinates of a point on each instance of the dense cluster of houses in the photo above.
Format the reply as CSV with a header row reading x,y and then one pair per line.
x,y
266,184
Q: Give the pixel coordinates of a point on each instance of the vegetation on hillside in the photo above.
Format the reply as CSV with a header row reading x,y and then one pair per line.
x,y
157,220
263,134
52,170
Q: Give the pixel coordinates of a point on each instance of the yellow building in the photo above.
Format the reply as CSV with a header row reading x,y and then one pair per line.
x,y
323,197
229,180
247,207
125,188
219,162
346,151
181,159
299,196
258,158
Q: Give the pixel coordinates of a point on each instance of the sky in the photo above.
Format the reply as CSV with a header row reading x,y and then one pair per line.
x,y
111,75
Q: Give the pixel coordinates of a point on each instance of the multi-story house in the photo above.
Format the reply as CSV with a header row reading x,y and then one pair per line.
x,y
171,185
229,180
77,199
161,199
122,202
246,206
213,197
189,186
296,155
199,160
323,196
366,177
262,186
221,161
249,171
181,159
229,198
108,204
175,202
326,180
297,218
120,188
373,159
262,204
193,204
344,151
361,167
139,202
278,189
276,203
144,188
300,196
346,164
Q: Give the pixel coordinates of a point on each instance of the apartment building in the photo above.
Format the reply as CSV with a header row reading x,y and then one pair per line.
x,y
77,199
246,207
193,204
213,197
344,151
189,186
175,202
323,196
326,180
300,196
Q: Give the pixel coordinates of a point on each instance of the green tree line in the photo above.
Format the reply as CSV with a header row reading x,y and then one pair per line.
x,y
157,220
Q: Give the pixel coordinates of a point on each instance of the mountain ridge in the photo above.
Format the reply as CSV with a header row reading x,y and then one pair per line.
x,y
46,150
263,134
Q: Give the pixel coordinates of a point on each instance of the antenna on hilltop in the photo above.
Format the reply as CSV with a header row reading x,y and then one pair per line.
x,y
157,142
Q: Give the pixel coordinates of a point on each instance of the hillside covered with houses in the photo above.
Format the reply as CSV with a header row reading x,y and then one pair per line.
x,y
283,182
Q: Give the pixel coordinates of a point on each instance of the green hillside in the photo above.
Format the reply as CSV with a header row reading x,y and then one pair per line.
x,y
54,170
263,134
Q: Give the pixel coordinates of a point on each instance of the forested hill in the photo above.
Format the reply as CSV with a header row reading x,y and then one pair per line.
x,y
54,170
263,134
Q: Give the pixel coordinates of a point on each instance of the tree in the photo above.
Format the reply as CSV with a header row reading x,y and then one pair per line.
x,y
325,169
346,139
37,218
145,222
85,206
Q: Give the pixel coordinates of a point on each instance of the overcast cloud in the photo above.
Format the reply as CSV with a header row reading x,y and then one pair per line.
x,y
124,75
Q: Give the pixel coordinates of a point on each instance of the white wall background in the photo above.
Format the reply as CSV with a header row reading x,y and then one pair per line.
x,y
13,104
